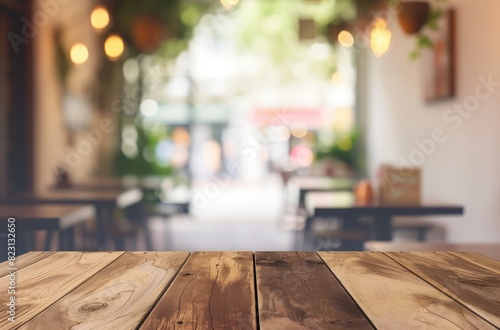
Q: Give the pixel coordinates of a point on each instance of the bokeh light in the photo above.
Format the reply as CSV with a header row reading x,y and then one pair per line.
x,y
346,39
99,18
149,108
229,4
380,38
301,156
345,144
131,70
181,136
79,53
114,46
298,130
130,149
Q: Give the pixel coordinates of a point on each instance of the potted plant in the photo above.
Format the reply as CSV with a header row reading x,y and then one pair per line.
x,y
413,15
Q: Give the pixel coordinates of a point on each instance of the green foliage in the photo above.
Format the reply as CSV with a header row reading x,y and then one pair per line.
x,y
139,165
432,24
344,149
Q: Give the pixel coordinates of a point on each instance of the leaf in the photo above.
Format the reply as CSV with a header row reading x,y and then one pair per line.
x,y
424,41
414,55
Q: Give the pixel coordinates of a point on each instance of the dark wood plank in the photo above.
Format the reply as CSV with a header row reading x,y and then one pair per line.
x,y
41,284
213,290
297,291
394,298
24,261
480,260
119,297
474,286
327,204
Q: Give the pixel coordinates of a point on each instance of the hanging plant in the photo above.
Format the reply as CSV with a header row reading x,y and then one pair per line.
x,y
431,24
415,17
146,24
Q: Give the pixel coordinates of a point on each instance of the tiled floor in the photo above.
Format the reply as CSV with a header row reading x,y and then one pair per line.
x,y
241,216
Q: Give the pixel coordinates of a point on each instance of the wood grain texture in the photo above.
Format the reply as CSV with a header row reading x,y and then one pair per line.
x,y
480,259
489,250
24,261
394,298
213,290
476,287
41,284
120,297
297,291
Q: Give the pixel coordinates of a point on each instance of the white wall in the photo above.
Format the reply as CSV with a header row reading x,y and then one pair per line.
x,y
466,168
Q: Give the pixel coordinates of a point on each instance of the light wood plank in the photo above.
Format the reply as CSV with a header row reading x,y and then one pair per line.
x,y
474,286
489,250
297,291
43,283
119,297
394,298
214,290
480,260
24,261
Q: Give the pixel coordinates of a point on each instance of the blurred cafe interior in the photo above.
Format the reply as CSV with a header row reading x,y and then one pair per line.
x,y
283,125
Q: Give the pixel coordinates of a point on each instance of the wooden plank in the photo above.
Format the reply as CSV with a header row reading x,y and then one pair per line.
x,y
297,291
474,286
119,297
43,283
213,290
480,260
489,250
394,298
24,261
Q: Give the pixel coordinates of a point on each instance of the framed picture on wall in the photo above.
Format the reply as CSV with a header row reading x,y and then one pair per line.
x,y
438,63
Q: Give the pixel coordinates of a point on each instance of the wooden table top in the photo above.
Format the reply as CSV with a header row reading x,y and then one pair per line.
x,y
343,203
45,216
245,290
109,183
116,183
489,250
121,198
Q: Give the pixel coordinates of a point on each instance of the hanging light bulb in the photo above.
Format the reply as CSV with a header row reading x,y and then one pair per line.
x,y
114,47
79,53
380,37
99,18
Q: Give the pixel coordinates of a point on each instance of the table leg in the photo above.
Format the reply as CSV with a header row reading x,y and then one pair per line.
x,y
306,240
22,241
102,212
67,239
383,228
62,240
48,240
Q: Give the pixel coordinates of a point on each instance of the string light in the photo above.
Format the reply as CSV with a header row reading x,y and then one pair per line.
x,y
79,53
114,46
99,19
346,39
380,38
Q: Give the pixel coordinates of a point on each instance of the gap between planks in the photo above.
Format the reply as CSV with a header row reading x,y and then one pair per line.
x,y
163,292
347,291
